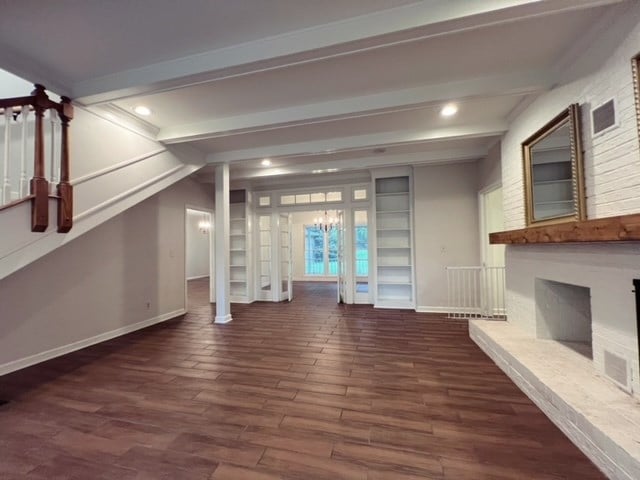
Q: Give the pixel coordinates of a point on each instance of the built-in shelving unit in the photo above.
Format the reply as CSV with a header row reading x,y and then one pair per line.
x,y
239,248
394,255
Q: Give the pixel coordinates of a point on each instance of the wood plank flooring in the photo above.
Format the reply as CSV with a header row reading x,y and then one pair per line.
x,y
300,390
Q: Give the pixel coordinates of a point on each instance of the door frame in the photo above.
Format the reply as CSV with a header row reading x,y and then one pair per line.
x,y
482,212
212,255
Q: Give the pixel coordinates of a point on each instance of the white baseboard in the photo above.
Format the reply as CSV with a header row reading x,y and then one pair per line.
x,y
197,277
316,278
423,309
434,309
223,318
72,347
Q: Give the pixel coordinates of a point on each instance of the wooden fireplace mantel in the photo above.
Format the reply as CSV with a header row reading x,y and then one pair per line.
x,y
625,228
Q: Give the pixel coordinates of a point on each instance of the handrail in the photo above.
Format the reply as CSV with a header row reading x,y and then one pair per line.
x,y
39,185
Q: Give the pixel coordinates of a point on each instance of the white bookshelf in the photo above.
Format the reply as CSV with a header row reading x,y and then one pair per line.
x,y
393,256
239,248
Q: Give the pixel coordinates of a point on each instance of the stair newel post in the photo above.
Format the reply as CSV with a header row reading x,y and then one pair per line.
x,y
65,189
39,185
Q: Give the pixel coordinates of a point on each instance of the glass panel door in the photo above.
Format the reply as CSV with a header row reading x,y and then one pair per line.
x,y
264,257
340,259
361,256
285,257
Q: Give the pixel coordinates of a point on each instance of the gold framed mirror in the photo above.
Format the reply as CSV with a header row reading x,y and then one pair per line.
x,y
553,171
635,69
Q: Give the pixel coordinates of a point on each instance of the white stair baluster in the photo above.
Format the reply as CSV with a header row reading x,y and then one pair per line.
x,y
24,182
6,179
54,152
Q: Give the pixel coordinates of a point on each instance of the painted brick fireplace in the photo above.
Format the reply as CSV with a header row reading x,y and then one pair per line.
x,y
607,271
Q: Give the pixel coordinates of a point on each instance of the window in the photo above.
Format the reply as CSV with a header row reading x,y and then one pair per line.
x,y
319,197
303,198
264,201
362,251
334,196
288,200
359,193
320,251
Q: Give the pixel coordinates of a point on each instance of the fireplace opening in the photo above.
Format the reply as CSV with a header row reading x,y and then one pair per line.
x,y
563,314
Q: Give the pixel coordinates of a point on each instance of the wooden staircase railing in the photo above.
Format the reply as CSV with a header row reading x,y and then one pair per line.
x,y
13,187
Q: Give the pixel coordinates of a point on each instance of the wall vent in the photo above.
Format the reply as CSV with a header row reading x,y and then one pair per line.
x,y
615,368
604,117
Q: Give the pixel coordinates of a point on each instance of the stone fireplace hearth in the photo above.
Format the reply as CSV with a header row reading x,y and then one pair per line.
x,y
575,280
571,344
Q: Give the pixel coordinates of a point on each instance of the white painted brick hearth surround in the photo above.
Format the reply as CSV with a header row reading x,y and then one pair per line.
x,y
612,180
606,269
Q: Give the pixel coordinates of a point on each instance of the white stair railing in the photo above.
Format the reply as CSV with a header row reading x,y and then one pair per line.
x,y
16,153
476,292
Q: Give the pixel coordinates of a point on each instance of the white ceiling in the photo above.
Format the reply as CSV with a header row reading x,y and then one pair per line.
x,y
437,60
89,38
314,85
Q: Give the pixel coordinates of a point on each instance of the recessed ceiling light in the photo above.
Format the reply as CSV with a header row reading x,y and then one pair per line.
x,y
142,110
266,162
449,110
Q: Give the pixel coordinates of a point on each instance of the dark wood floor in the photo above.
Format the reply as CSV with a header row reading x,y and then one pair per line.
x,y
303,390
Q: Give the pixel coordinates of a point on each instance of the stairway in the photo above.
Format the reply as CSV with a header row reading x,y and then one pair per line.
x,y
112,167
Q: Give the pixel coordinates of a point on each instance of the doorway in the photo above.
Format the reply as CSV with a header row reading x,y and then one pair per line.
x,y
492,273
491,220
199,261
316,249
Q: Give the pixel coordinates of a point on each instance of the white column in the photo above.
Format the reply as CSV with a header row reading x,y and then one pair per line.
x,y
222,256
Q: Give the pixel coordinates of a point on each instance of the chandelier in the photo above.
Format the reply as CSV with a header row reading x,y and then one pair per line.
x,y
325,222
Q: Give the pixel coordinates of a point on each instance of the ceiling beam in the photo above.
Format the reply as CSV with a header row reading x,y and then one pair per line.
x,y
486,129
520,83
369,161
379,29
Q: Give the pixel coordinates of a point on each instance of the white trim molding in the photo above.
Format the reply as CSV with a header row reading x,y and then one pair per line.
x,y
87,342
198,277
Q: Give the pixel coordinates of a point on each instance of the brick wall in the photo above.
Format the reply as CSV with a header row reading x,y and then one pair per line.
x,y
612,179
611,159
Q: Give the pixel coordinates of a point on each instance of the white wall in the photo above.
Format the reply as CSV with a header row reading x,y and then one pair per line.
x,y
446,228
13,86
121,275
197,245
612,159
490,168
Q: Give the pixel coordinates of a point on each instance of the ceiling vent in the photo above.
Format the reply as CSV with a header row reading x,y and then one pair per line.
x,y
604,117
